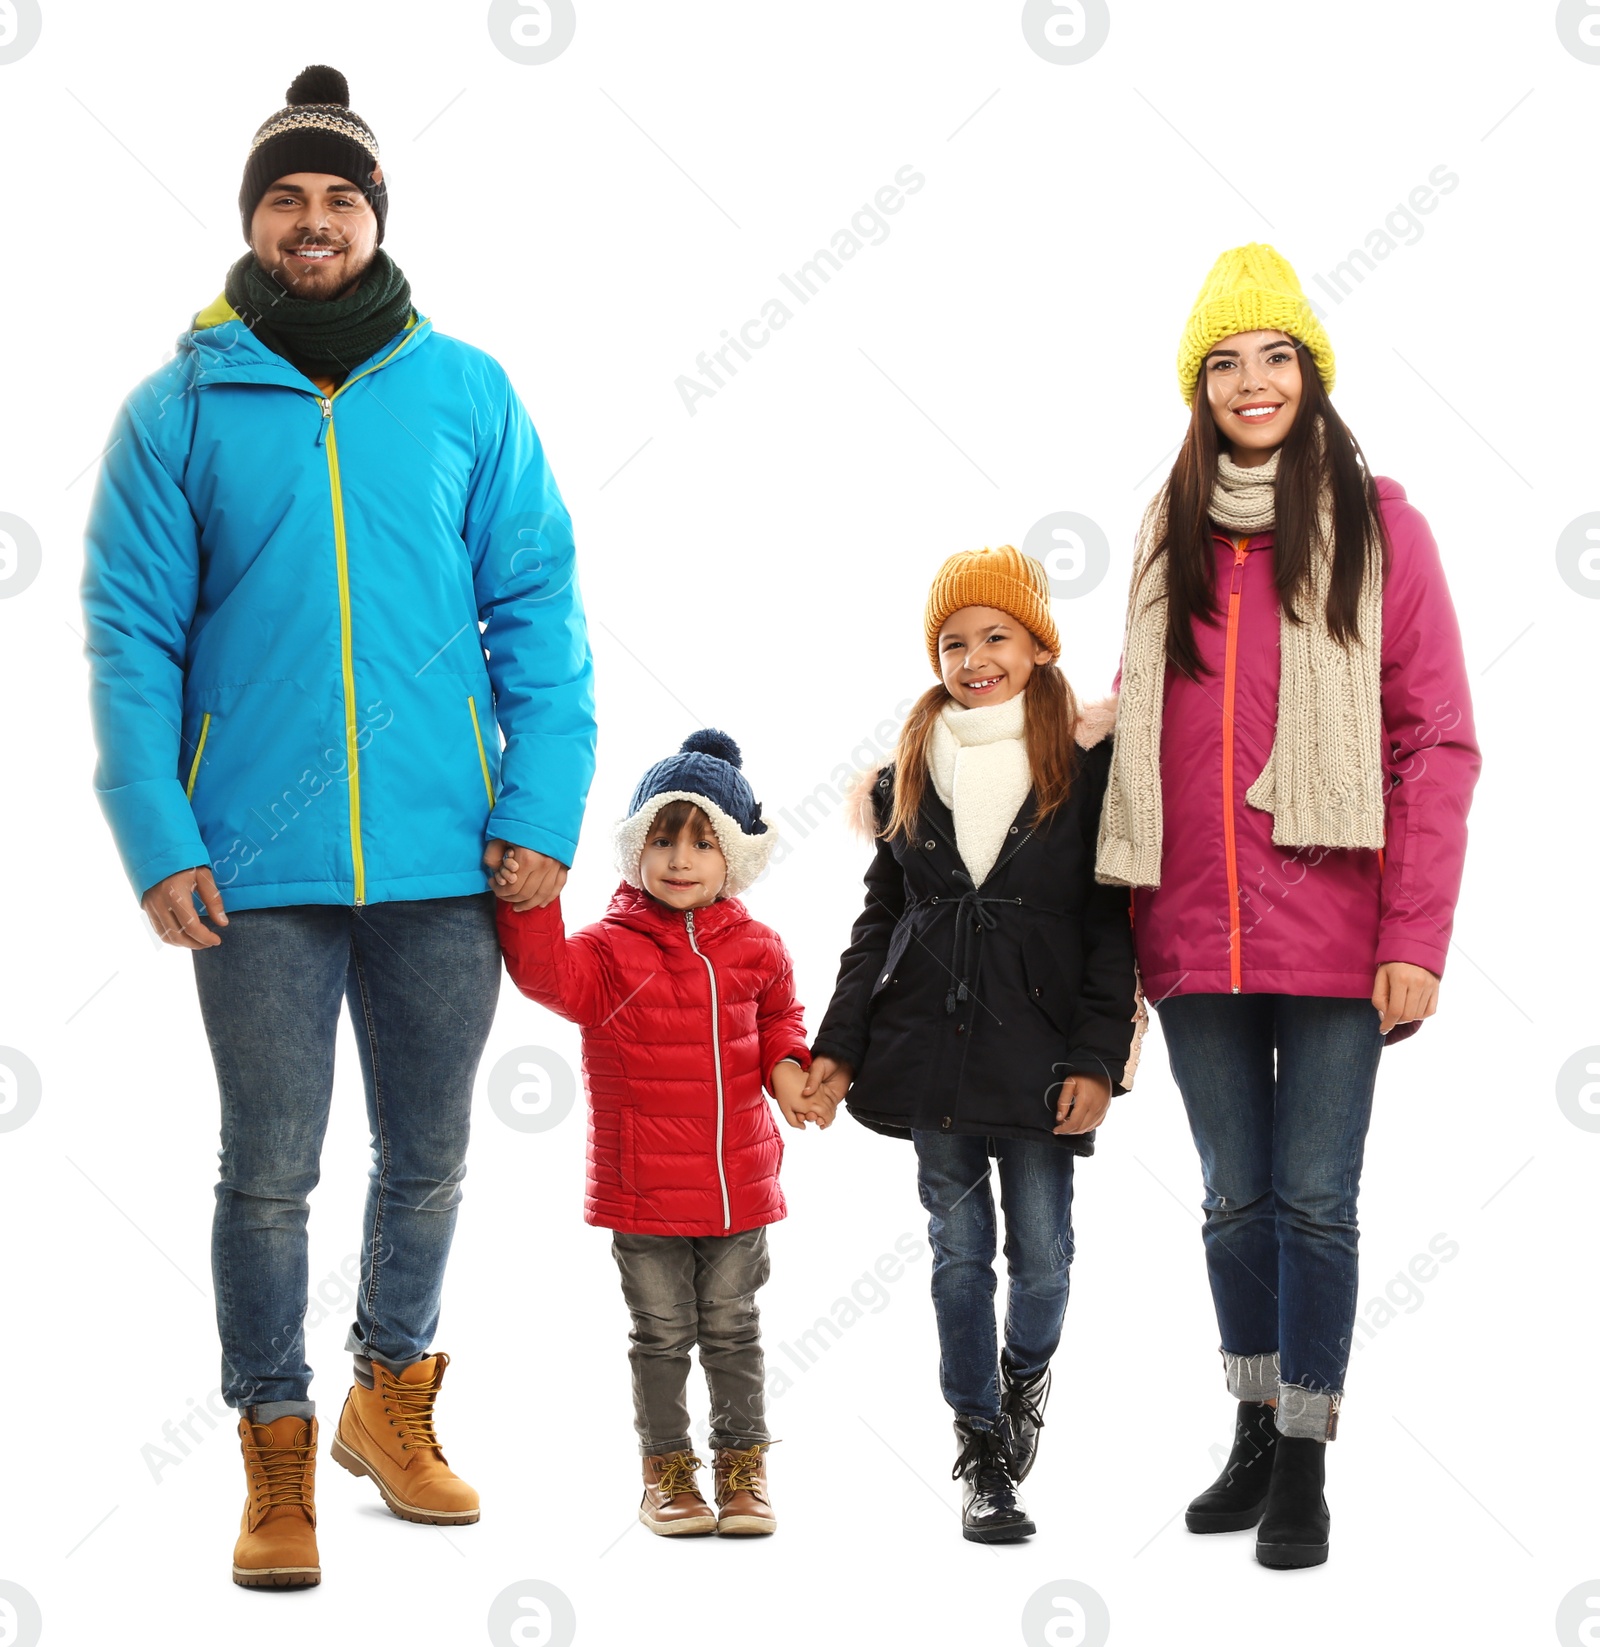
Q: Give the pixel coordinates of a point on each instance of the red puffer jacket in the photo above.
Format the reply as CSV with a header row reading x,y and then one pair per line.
x,y
684,1015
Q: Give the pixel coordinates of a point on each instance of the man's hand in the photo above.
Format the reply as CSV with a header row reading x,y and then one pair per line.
x,y
828,1078
798,1103
523,878
1081,1104
170,906
1403,992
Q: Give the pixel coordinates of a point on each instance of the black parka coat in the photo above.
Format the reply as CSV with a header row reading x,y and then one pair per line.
x,y
963,1009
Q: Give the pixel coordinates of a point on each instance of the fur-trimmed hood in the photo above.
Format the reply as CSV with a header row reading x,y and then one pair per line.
x,y
1096,722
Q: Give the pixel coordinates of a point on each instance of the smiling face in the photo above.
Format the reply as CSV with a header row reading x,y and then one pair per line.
x,y
1252,386
314,234
685,868
986,656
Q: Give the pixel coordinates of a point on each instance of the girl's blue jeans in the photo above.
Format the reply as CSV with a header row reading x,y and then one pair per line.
x,y
953,1179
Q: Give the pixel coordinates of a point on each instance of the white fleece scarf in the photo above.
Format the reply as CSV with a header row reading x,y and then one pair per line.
x,y
1323,781
978,760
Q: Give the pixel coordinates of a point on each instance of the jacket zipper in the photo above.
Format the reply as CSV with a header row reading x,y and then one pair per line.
x,y
483,757
716,1056
199,750
325,436
1230,684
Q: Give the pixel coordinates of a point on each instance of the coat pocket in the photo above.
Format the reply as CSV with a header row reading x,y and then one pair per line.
x,y
483,754
1045,984
199,755
896,953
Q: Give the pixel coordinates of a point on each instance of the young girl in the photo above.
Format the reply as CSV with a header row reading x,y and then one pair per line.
x,y
985,1006
1289,794
687,1008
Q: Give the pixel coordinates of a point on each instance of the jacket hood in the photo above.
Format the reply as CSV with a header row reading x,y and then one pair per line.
x,y
1096,722
220,348
633,907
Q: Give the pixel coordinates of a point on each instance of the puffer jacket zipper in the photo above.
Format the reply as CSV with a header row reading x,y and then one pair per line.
x,y
1230,686
716,1056
347,662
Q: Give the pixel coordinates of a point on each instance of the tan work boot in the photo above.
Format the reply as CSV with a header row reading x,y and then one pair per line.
x,y
672,1505
277,1548
386,1433
743,1507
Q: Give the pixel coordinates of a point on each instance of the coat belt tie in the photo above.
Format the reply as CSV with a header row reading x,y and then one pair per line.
x,y
975,915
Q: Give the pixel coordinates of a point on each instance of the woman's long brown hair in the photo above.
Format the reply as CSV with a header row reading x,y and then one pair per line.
x,y
1306,467
1049,721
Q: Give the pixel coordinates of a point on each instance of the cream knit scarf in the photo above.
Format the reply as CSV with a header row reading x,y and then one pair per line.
x,y
978,760
1324,778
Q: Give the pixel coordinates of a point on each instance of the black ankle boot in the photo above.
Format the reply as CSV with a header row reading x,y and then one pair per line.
x,y
1294,1530
1022,1417
1237,1497
992,1512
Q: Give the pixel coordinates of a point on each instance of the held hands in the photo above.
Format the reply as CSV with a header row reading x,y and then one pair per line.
x,y
1404,992
523,878
830,1079
792,1088
170,906
1082,1103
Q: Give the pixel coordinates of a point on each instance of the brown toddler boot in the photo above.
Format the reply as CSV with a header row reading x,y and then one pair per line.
x,y
672,1505
743,1507
277,1548
386,1434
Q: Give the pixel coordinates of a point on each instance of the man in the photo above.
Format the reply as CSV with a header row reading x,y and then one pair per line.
x,y
325,558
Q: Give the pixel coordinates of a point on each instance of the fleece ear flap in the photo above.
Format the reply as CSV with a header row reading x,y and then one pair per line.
x,y
747,855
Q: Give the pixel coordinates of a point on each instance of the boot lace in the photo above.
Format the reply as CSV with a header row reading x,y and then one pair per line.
x,y
677,1475
282,1475
414,1405
741,1472
1025,1399
985,1450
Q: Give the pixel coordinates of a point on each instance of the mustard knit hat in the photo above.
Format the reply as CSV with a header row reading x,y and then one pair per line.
x,y
1004,578
1250,289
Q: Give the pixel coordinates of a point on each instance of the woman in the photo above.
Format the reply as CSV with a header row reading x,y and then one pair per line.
x,y
985,1006
1288,795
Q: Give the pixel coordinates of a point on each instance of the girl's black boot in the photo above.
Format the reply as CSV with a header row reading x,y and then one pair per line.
x,y
1022,1417
1294,1530
1235,1500
992,1511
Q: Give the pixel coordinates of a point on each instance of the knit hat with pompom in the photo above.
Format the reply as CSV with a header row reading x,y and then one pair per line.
x,y
706,770
315,132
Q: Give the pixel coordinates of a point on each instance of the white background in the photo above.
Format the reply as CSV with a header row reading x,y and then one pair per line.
x,y
1005,353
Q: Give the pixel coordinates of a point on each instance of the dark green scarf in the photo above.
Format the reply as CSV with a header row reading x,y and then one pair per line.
x,y
322,339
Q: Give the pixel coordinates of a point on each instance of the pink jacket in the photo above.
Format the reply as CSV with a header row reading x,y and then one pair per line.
x,y
1266,919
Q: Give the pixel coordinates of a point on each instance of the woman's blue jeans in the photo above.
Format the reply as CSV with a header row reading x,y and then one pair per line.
x,y
1279,1094
421,979
1036,1202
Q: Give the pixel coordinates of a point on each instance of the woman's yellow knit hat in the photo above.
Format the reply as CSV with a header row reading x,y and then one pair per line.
x,y
1250,289
1004,578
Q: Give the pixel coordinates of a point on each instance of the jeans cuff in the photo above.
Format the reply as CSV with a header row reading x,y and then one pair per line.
x,y
1310,1415
722,1441
651,1449
1251,1377
269,1412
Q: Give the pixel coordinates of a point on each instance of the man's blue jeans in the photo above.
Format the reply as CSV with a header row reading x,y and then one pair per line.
x,y
1036,1201
421,979
1279,1094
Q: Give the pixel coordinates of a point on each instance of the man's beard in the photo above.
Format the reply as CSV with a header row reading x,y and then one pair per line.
x,y
280,277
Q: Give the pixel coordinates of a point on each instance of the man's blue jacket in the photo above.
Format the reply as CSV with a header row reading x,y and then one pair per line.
x,y
308,614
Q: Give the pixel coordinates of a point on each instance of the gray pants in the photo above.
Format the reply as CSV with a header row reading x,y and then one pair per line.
x,y
686,1291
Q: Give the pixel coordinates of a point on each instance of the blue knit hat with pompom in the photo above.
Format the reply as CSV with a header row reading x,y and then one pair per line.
x,y
707,770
